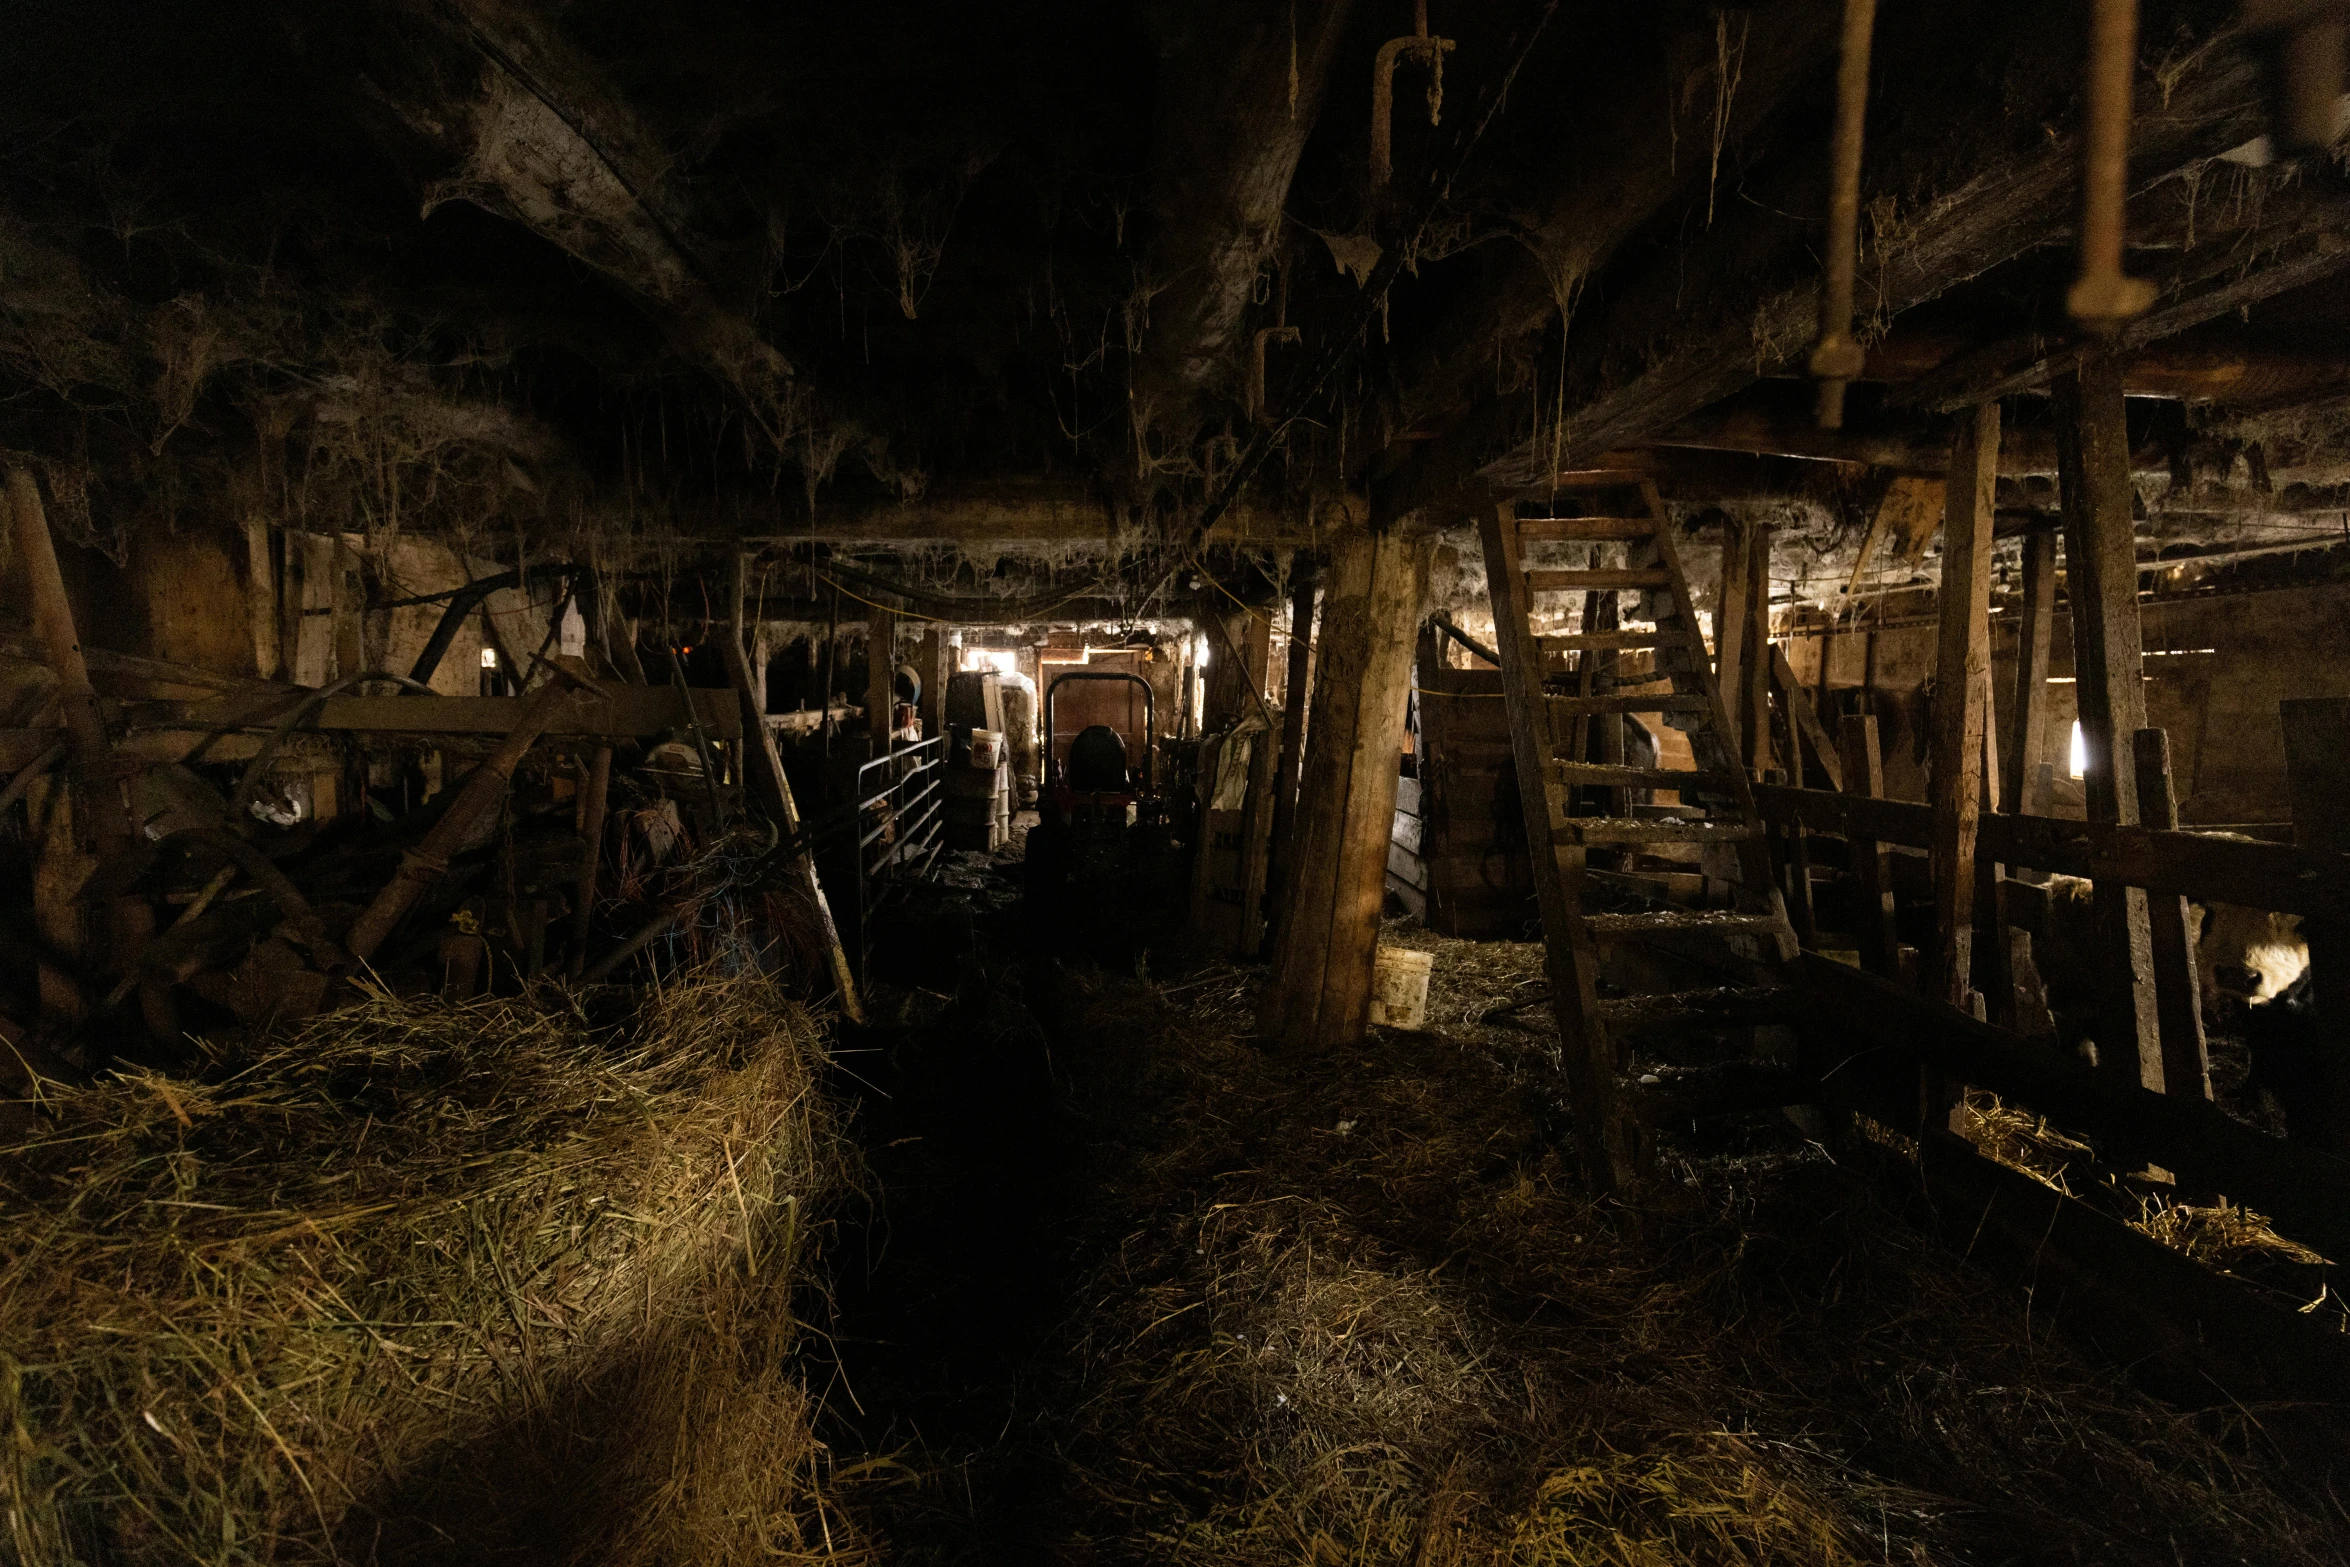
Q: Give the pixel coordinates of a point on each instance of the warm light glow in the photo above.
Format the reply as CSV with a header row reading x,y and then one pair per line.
x,y
1201,657
1004,661
489,658
2080,754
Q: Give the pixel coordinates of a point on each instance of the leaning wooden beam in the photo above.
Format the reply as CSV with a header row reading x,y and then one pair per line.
x,y
424,865
113,824
2101,582
771,787
1806,723
1318,995
1961,679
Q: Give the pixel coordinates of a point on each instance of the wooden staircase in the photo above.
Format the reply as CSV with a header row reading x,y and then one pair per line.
x,y
1581,804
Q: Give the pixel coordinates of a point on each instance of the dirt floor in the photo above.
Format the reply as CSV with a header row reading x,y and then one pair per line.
x,y
1142,1289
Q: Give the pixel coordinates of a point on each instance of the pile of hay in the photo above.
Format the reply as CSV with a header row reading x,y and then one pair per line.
x,y
416,1281
1354,1310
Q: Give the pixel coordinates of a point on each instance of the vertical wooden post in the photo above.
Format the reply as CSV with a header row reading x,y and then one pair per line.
x,y
881,678
2027,744
1961,682
594,805
2178,1002
1994,946
1305,580
931,664
1730,627
2101,580
1318,995
2317,779
1754,665
261,597
112,824
1864,773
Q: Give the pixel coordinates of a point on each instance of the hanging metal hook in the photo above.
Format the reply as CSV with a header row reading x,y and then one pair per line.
x,y
1429,52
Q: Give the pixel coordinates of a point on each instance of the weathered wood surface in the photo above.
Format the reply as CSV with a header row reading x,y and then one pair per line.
x,y
2178,999
2284,877
2305,1192
1864,787
2101,582
1318,995
1962,666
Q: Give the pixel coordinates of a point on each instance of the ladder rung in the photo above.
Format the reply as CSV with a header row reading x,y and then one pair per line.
x,y
1662,702
1583,641
1609,774
1532,528
1742,1003
1588,830
1679,919
1598,579
1597,478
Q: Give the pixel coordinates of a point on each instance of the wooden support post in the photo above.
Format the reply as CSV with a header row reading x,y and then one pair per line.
x,y
111,822
2027,743
931,664
2101,580
261,597
881,679
1864,774
1961,684
1318,995
1305,580
2317,779
1994,945
2178,1002
767,783
1730,627
594,805
1754,665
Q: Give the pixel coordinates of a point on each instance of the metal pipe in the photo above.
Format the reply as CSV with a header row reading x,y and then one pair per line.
x,y
1836,359
1429,51
2104,296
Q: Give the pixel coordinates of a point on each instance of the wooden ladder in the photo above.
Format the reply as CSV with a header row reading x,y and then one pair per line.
x,y
1717,802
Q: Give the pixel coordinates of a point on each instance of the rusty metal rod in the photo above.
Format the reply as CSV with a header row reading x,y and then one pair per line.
x,y
2104,296
1836,359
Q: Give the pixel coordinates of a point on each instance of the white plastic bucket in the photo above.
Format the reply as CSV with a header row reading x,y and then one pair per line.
x,y
1399,987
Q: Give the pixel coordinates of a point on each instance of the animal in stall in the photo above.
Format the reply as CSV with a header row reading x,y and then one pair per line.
x,y
2290,1056
2246,956
2247,962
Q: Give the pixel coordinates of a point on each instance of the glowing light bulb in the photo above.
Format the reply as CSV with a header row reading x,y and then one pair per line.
x,y
2080,751
489,658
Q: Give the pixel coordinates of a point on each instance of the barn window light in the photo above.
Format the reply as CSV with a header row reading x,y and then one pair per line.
x,y
1202,659
2080,751
489,658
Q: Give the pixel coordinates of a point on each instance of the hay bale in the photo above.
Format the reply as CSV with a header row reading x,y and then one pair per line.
x,y
422,1281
